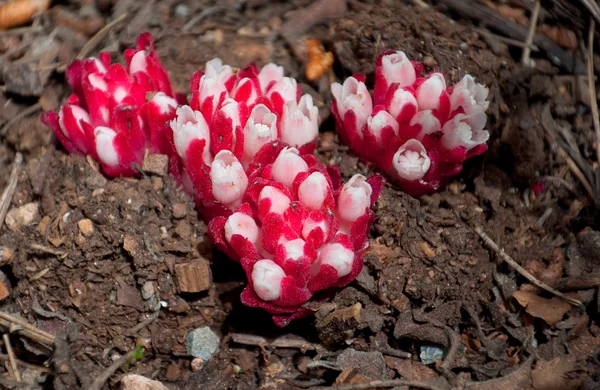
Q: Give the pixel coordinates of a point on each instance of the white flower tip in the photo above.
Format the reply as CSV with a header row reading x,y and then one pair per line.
x,y
104,137
411,161
279,201
337,256
287,166
313,191
266,279
242,224
228,179
294,249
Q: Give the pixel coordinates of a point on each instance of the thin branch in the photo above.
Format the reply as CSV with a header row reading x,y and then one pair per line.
x,y
99,36
42,335
525,60
103,377
11,357
381,385
10,188
577,172
593,98
248,339
492,245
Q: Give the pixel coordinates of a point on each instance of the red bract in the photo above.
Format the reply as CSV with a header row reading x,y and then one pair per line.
x,y
295,232
115,113
230,117
420,132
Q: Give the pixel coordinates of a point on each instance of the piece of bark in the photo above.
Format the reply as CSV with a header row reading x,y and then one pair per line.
x,y
193,277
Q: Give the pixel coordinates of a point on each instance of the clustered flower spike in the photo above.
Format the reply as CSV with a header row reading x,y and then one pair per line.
x,y
231,116
116,113
296,230
416,129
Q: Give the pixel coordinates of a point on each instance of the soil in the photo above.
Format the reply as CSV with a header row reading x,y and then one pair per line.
x,y
428,281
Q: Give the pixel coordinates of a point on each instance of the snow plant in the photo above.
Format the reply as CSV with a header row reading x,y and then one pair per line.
x,y
231,116
415,128
297,230
243,146
117,113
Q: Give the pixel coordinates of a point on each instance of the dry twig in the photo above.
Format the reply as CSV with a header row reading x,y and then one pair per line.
x,y
381,385
21,363
11,357
100,35
248,339
577,172
28,329
593,98
10,188
492,245
525,60
98,383
47,249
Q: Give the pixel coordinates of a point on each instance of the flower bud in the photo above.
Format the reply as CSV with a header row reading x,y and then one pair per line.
x,y
397,68
243,225
466,131
294,249
381,120
430,92
354,199
229,181
427,122
104,138
187,126
286,88
246,91
469,95
411,161
403,105
279,202
313,191
310,225
260,129
163,103
287,166
213,82
266,279
269,75
337,256
353,95
300,122
70,118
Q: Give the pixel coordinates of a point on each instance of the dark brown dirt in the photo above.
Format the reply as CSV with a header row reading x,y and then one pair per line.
x,y
428,278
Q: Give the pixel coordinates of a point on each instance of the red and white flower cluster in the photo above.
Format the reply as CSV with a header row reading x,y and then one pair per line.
x,y
415,128
296,230
116,112
231,116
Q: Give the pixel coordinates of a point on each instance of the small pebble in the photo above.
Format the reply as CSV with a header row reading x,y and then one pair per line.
x,y
179,210
22,216
430,62
430,354
148,290
86,227
202,343
182,11
138,382
156,164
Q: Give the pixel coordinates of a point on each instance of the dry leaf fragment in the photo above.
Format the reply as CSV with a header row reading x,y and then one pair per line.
x,y
550,310
19,12
319,61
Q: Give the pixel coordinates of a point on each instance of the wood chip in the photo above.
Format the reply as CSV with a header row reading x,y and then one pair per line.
x,y
194,276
